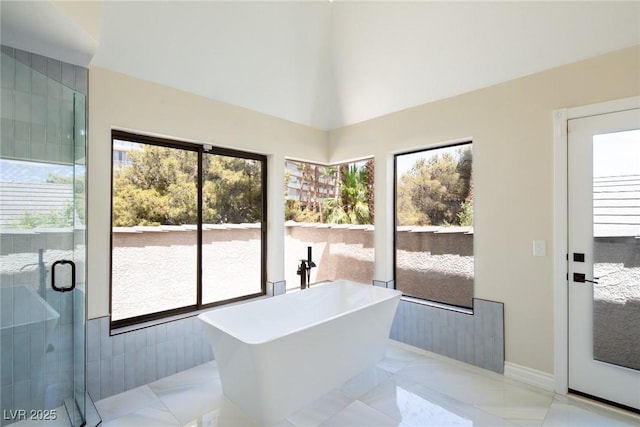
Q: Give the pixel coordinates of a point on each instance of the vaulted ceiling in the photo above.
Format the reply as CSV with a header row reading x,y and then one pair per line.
x,y
319,63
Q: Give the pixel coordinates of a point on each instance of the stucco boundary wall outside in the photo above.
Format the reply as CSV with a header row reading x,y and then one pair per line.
x,y
339,251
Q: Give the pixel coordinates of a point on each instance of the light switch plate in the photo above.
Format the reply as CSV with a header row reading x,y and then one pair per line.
x,y
539,248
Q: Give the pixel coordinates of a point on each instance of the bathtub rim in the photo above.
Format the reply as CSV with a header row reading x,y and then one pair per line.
x,y
392,293
51,315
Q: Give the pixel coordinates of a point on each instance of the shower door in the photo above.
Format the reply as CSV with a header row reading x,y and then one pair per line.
x,y
42,236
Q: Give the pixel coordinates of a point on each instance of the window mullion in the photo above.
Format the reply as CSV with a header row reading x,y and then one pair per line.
x,y
200,228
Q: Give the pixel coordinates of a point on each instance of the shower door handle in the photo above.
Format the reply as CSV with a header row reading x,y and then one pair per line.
x,y
73,275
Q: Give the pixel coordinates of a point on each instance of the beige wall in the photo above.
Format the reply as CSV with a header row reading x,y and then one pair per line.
x,y
123,102
510,125
511,128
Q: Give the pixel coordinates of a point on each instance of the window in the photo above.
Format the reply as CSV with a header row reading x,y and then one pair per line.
x,y
331,209
434,224
188,227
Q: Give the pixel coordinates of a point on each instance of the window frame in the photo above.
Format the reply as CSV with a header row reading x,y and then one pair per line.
x,y
396,225
201,150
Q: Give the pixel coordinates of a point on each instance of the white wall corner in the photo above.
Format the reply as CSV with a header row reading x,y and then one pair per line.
x,y
275,217
529,376
384,227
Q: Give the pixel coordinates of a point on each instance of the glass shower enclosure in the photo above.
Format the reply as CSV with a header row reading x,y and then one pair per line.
x,y
42,241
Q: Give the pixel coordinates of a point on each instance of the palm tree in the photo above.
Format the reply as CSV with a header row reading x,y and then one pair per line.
x,y
370,180
328,177
316,186
303,167
351,207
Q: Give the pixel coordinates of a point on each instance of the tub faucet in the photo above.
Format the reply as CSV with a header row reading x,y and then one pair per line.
x,y
304,270
42,273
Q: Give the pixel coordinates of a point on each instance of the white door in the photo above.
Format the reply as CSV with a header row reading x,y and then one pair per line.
x,y
604,256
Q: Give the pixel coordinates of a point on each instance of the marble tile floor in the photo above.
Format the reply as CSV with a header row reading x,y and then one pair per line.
x,y
409,388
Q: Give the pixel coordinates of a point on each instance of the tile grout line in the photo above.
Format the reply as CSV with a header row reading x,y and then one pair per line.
x,y
165,405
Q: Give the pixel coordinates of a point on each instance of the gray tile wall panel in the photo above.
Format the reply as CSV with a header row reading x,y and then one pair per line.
x,y
118,373
477,338
116,363
37,119
125,361
276,288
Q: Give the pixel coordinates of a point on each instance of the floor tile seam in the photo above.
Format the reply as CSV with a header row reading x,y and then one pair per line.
x,y
324,419
488,413
461,371
546,414
499,381
379,412
476,406
452,398
411,382
442,359
395,376
384,369
164,404
601,408
527,386
133,411
400,421
466,368
485,409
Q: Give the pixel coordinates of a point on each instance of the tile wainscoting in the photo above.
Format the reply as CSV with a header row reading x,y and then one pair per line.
x,y
472,336
116,363
477,339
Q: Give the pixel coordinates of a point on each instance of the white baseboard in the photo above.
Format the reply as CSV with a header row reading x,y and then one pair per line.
x,y
529,376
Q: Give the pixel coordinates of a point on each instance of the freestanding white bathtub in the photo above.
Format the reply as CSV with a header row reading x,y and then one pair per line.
x,y
21,306
278,354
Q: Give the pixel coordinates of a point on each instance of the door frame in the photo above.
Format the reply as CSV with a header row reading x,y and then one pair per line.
x,y
561,229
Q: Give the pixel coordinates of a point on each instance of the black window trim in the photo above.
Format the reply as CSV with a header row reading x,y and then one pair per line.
x,y
395,227
201,150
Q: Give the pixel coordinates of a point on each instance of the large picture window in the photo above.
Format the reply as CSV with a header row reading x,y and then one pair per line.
x,y
188,227
330,208
434,224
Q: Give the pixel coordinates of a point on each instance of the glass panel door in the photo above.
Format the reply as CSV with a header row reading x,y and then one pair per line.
x,y
42,236
616,232
604,256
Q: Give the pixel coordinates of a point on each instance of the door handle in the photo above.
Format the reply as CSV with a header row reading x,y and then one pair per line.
x,y
581,278
73,275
